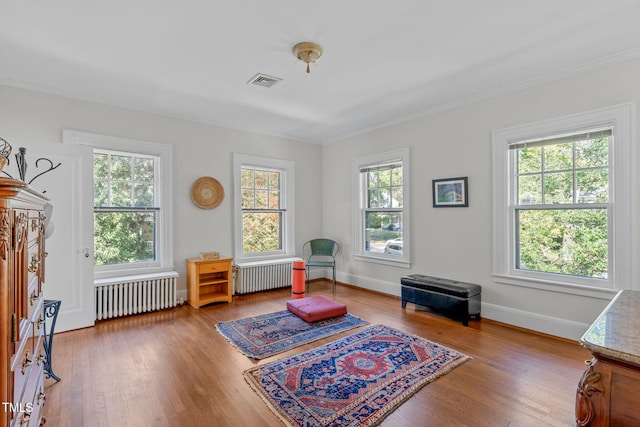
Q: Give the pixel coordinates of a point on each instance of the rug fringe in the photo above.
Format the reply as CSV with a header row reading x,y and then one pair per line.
x,y
284,419
235,346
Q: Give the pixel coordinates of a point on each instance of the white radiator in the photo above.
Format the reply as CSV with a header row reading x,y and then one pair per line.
x,y
263,275
124,296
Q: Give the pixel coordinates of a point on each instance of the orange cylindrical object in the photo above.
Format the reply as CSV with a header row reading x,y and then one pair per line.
x,y
297,280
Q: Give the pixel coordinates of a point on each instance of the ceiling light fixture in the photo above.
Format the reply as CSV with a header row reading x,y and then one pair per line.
x,y
307,52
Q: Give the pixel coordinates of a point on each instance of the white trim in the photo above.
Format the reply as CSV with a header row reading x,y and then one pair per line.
x,y
622,272
534,321
266,262
134,278
165,194
525,319
287,194
358,201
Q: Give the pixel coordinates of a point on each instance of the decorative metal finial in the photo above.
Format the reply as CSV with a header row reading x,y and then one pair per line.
x,y
5,151
21,162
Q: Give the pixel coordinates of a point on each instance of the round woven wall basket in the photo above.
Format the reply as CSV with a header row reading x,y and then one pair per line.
x,y
207,192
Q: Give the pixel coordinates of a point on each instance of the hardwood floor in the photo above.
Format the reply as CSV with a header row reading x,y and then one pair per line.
x,y
172,368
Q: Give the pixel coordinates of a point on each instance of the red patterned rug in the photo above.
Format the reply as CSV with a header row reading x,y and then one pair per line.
x,y
354,381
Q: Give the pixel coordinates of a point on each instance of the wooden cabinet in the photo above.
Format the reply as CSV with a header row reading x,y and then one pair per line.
x,y
209,280
22,256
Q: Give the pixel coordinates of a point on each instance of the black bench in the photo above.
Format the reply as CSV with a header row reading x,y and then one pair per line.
x,y
458,299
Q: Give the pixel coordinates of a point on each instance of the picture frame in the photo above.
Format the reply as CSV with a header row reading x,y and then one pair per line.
x,y
451,192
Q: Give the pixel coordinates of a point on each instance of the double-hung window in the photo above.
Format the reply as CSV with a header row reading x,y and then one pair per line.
x,y
264,208
563,200
381,207
132,205
126,208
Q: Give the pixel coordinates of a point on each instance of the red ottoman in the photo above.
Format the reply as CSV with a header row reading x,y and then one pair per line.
x,y
316,308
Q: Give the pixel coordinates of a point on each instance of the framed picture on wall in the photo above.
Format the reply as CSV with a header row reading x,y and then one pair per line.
x,y
450,193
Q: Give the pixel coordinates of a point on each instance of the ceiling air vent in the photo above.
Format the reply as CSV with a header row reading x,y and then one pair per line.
x,y
263,80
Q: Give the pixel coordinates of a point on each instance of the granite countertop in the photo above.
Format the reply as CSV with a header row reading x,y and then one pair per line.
x,y
616,332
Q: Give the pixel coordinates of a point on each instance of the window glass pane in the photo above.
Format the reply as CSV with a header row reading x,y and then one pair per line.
x,y
101,166
121,193
530,190
593,186
247,199
373,199
396,176
530,160
262,179
558,156
558,188
380,228
274,199
143,169
261,232
121,168
261,199
396,198
124,237
143,194
565,241
274,180
246,177
592,153
372,179
385,197
384,178
100,193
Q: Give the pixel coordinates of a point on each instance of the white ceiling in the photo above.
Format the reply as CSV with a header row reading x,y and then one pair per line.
x,y
384,61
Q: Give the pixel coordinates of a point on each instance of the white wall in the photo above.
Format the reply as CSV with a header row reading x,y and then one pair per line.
x,y
453,243
198,150
457,243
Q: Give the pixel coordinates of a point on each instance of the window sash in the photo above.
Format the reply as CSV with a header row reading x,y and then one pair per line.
x,y
621,216
548,203
279,200
365,237
545,173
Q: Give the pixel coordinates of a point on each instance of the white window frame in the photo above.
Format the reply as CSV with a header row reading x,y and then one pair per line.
x,y
359,200
164,221
287,203
621,199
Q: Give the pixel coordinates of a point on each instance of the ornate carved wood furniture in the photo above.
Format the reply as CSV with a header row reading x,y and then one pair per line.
x,y
22,354
460,300
609,391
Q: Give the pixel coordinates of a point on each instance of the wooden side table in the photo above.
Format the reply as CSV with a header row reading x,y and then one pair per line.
x,y
209,281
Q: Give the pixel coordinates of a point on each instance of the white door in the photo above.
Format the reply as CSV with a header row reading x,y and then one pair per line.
x,y
69,264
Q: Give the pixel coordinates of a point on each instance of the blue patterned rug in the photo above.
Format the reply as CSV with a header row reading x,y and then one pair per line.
x,y
263,336
354,381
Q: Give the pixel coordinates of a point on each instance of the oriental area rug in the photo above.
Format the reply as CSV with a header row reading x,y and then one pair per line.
x,y
268,334
354,381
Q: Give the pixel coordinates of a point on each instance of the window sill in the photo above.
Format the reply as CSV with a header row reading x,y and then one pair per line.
x,y
383,260
560,287
108,274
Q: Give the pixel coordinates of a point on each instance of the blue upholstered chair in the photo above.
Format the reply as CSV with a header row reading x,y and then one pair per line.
x,y
321,253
